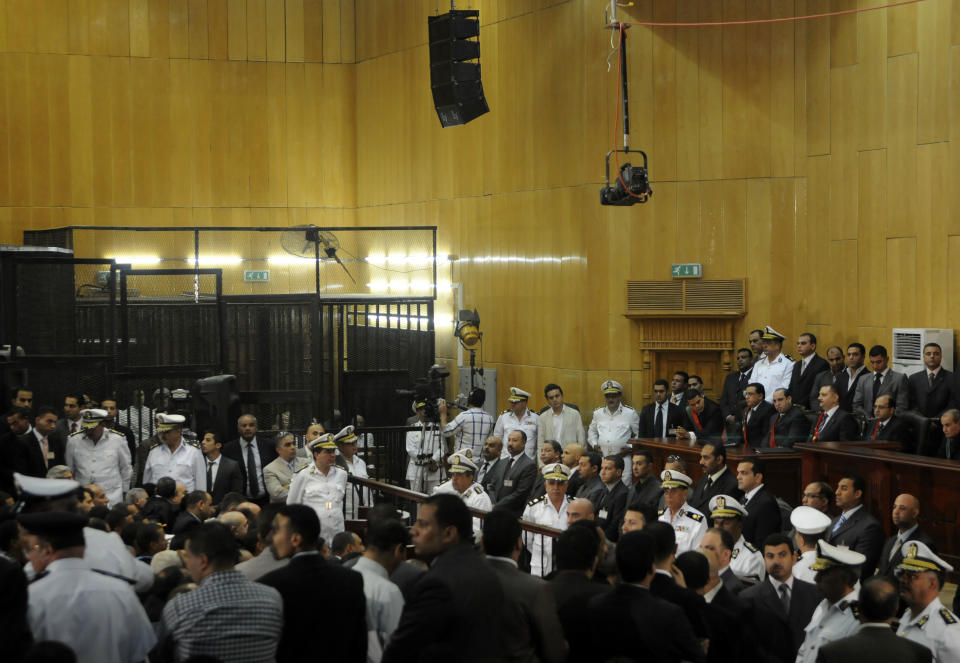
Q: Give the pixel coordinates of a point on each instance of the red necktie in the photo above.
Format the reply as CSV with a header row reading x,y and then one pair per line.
x,y
696,419
816,429
875,429
773,429
746,415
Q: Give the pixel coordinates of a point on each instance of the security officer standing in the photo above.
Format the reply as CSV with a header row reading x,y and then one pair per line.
x,y
745,560
773,370
688,523
349,460
614,425
424,451
837,616
322,486
927,621
461,482
518,416
96,454
549,509
172,456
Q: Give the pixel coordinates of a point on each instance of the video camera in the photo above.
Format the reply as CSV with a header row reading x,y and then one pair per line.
x,y
429,390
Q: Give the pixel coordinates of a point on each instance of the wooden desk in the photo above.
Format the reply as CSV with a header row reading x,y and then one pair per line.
x,y
782,469
935,482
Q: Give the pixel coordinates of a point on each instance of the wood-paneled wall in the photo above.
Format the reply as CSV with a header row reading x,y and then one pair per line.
x,y
813,158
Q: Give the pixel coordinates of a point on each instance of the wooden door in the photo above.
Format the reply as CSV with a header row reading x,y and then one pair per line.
x,y
705,364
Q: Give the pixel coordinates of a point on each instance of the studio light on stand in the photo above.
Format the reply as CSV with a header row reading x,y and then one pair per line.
x,y
467,331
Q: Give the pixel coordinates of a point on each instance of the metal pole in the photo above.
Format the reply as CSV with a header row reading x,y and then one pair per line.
x,y
623,83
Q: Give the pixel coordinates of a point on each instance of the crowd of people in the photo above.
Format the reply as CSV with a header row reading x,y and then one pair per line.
x,y
579,548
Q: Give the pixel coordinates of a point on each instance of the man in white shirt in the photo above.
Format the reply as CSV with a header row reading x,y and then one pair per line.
x,y
926,620
172,456
386,549
773,370
614,425
560,422
519,417
349,460
100,456
810,525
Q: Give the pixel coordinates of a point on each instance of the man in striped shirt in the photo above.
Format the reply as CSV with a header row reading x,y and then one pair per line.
x,y
471,427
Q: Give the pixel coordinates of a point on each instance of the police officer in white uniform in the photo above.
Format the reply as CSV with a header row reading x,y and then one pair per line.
x,y
461,482
424,453
745,560
349,460
838,615
809,524
322,486
96,454
689,524
927,621
518,416
773,370
613,426
549,509
173,456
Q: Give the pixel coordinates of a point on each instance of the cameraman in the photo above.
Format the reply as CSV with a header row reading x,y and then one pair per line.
x,y
471,427
424,451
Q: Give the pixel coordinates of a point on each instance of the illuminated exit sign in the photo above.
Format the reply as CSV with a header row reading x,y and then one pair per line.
x,y
686,270
256,275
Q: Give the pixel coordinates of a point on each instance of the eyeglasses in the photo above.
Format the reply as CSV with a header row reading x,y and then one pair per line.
x,y
673,458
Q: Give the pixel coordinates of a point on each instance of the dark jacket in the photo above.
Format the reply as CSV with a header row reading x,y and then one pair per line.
x,y
887,564
872,644
726,619
778,635
648,492
711,421
801,385
763,517
897,429
530,624
229,479
613,503
788,428
731,398
726,484
848,388
632,622
33,455
839,427
513,486
161,510
648,417
300,583
452,615
571,591
665,587
268,453
931,401
861,532
756,432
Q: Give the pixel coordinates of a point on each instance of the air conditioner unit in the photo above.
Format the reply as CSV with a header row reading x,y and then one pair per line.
x,y
908,348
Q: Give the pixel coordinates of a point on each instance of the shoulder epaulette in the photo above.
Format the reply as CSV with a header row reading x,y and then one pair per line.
x,y
155,445
855,608
923,620
77,432
695,516
537,501
733,555
660,512
301,469
113,430
749,546
194,443
477,489
443,482
947,616
627,407
505,411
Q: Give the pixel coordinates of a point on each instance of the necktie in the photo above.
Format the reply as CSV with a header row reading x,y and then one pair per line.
x,y
785,598
876,385
743,381
930,377
876,429
46,451
896,547
483,471
773,430
209,477
821,422
837,525
252,472
658,423
73,427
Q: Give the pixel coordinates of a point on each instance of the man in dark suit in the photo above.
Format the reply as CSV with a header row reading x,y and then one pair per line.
x,y
69,423
678,388
515,482
731,397
789,424
763,512
253,454
490,465
701,418
592,488
661,416
855,527
775,616
831,376
307,576
717,478
530,623
886,425
806,369
613,500
455,607
950,444
932,391
164,505
854,372
833,424
883,380
906,516
756,416
646,488
876,640
577,551
664,586
36,460
632,622
197,507
224,475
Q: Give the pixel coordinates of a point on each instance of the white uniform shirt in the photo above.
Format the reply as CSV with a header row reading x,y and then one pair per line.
x,y
324,494
689,525
772,375
802,571
186,465
611,433
356,495
746,561
425,442
936,628
474,497
829,622
98,616
384,606
471,429
542,512
529,423
106,463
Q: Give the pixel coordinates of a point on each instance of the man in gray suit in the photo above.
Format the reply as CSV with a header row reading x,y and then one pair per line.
x,y
531,629
514,482
856,528
884,380
278,474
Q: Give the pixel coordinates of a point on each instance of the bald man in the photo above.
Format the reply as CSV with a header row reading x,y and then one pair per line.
x,y
580,509
906,519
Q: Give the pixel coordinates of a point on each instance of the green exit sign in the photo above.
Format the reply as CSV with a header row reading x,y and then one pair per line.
x,y
256,275
686,270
